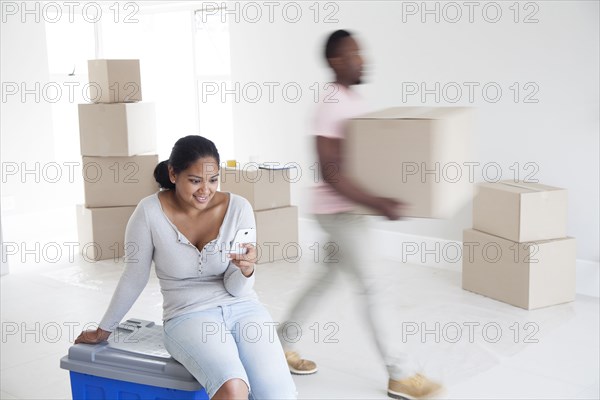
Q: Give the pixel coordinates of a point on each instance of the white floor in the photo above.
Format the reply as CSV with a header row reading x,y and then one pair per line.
x,y
484,349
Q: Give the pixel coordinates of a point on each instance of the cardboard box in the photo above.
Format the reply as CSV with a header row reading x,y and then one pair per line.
x,y
115,81
118,181
263,188
102,231
277,235
527,275
414,154
120,129
521,212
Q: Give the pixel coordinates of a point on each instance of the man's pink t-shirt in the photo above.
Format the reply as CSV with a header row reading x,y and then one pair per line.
x,y
333,112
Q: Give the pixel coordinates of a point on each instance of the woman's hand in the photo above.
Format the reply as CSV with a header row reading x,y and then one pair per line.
x,y
245,262
92,336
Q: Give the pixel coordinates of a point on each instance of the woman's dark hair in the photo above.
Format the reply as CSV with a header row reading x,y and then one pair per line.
x,y
186,151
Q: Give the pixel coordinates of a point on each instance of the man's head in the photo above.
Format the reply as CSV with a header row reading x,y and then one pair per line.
x,y
343,56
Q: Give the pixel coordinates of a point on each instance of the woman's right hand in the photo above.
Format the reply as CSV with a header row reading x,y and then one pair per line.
x,y
92,336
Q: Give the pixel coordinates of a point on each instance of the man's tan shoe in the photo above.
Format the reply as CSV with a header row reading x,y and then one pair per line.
x,y
414,387
298,365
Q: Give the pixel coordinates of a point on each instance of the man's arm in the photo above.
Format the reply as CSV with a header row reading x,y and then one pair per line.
x,y
329,151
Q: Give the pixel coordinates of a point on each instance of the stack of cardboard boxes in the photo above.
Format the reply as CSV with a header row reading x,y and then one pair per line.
x,y
268,191
115,133
517,251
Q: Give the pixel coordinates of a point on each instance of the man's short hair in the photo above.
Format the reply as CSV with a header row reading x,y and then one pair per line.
x,y
333,43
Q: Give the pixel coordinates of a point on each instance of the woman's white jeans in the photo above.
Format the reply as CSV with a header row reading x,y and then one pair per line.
x,y
238,340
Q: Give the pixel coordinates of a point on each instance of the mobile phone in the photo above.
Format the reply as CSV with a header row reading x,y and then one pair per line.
x,y
247,235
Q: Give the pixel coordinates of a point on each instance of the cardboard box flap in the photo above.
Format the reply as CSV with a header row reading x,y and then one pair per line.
x,y
113,59
524,187
421,113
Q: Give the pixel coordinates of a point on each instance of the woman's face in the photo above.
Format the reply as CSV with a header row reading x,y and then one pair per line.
x,y
197,185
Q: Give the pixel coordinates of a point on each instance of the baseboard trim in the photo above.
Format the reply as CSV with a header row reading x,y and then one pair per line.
x,y
588,278
447,254
442,253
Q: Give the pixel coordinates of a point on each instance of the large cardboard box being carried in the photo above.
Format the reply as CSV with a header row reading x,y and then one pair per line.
x,y
527,275
119,129
115,81
102,231
414,154
277,235
520,211
118,181
263,188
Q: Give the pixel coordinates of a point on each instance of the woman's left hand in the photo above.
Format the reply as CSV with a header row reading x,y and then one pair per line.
x,y
245,262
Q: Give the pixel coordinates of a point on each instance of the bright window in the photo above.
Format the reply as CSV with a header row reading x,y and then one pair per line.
x,y
213,74
179,49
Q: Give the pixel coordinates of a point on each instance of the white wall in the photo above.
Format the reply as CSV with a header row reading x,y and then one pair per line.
x,y
26,123
559,54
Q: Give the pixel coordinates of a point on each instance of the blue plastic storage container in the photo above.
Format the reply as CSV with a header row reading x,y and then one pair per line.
x,y
132,365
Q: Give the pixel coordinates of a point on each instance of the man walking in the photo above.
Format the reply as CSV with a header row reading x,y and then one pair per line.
x,y
333,200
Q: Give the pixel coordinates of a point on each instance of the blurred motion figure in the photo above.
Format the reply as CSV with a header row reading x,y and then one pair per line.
x,y
333,199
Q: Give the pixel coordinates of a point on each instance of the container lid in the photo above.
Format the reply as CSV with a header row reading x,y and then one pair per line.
x,y
135,353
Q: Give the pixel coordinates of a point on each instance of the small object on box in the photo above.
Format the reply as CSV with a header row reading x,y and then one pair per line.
x,y
275,167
